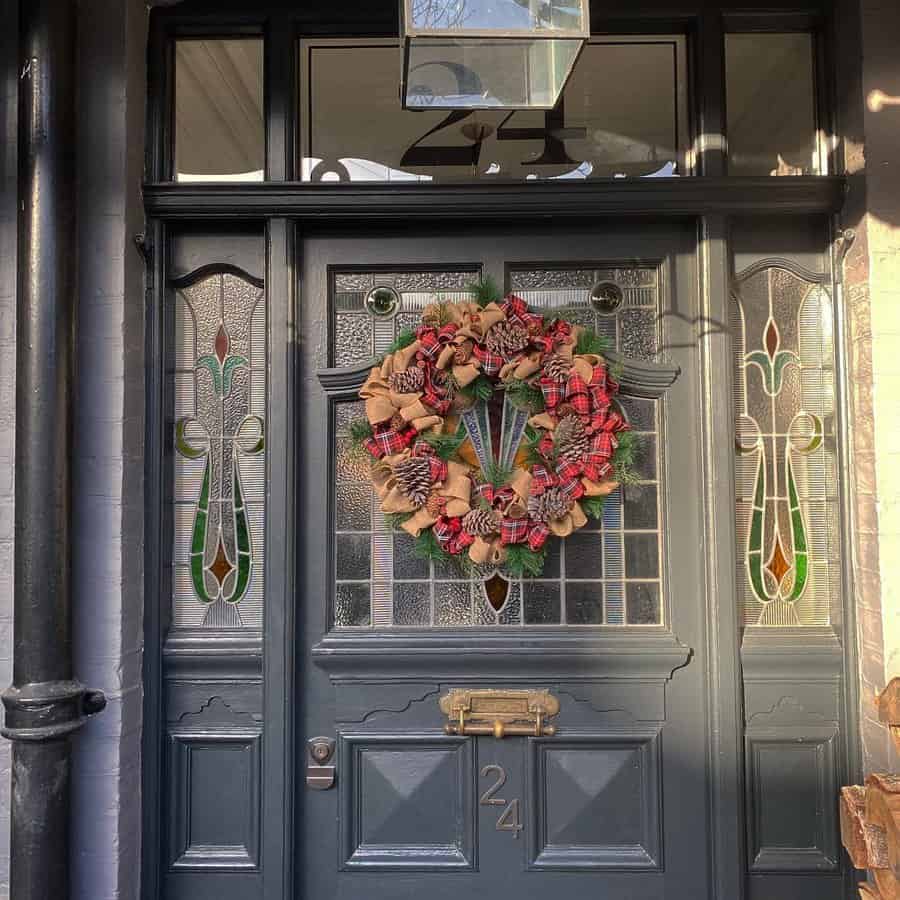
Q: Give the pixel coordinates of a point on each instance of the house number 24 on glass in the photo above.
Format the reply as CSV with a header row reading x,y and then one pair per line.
x,y
509,819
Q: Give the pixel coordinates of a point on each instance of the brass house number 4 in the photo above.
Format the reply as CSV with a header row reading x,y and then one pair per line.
x,y
509,819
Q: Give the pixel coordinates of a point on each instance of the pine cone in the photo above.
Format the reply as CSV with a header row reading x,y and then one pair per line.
x,y
479,522
414,479
551,505
564,410
570,440
408,382
436,505
397,422
557,367
506,339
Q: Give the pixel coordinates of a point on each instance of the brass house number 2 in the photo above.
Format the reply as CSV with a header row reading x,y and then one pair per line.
x,y
509,819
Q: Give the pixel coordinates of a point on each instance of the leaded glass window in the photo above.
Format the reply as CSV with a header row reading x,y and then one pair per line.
x,y
787,471
608,573
219,387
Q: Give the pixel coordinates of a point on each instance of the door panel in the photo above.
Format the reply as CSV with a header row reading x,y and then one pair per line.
x,y
614,803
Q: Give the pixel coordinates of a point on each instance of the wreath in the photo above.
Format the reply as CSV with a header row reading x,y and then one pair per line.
x,y
492,428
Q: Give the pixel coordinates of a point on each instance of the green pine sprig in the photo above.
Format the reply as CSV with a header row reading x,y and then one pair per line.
x,y
404,338
482,388
445,445
524,395
592,506
496,474
429,547
485,291
591,342
533,456
359,431
625,457
522,561
395,520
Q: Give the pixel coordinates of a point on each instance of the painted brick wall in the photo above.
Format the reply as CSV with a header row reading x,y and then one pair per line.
x,y
108,466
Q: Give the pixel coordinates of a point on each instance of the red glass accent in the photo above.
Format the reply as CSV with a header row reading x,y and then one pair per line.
x,y
496,587
771,339
778,564
222,344
221,566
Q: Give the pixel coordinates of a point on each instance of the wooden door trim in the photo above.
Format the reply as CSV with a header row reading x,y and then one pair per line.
x,y
659,197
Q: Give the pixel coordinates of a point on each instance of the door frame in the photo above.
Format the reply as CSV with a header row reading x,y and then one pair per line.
x,y
283,207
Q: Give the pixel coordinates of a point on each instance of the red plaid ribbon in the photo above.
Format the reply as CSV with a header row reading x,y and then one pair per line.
x,y
516,310
514,531
491,363
433,340
451,537
554,392
495,497
537,535
386,441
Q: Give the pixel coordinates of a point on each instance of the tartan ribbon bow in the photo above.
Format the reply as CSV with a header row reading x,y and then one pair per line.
x,y
497,498
560,332
386,441
491,363
516,310
449,533
524,531
432,340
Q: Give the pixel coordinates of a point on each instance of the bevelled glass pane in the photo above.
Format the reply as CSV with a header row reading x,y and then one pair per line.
x,y
351,605
412,603
219,132
406,563
641,556
584,555
353,556
622,113
642,603
542,602
584,603
771,104
640,506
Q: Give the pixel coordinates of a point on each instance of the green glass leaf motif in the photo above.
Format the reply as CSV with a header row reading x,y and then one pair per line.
x,y
798,533
772,368
198,539
183,444
211,363
242,536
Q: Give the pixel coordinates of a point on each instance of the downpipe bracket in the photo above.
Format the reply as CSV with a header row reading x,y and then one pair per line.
x,y
48,710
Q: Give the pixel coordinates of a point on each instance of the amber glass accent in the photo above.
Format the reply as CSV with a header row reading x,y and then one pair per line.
x,y
497,589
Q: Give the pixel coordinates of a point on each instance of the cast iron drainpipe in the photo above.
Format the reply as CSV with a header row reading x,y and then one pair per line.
x,y
45,704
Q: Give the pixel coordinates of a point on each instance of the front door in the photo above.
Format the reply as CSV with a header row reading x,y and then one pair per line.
x,y
611,801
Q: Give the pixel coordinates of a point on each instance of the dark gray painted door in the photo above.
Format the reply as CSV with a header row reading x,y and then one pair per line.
x,y
615,803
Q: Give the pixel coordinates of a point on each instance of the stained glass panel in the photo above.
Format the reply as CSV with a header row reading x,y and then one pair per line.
x,y
219,386
786,464
608,573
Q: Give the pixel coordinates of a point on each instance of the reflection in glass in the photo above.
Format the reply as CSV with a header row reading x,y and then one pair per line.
x,y
483,54
219,133
771,104
354,127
